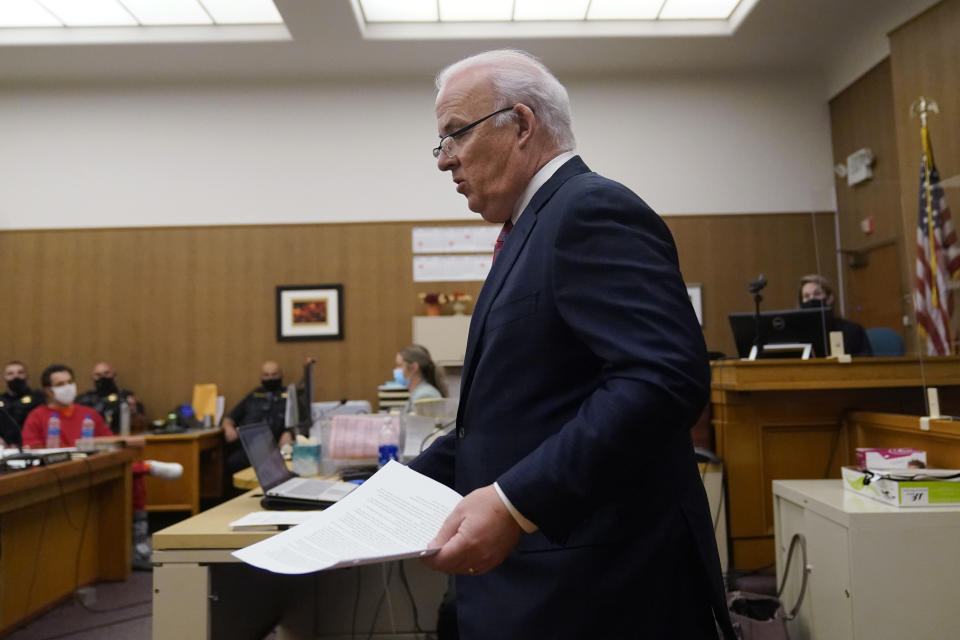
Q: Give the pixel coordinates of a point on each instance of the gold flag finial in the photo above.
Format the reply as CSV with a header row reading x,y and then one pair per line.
x,y
921,107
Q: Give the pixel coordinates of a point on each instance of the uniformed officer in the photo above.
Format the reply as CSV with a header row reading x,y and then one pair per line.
x,y
267,403
17,401
106,398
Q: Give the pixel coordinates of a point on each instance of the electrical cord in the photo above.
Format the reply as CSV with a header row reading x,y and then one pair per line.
x,y
434,433
386,592
83,530
43,532
376,611
413,602
356,605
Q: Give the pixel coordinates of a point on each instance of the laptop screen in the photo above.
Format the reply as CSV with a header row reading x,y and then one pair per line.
x,y
264,455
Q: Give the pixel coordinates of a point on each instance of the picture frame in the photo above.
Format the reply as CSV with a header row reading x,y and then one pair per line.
x,y
309,312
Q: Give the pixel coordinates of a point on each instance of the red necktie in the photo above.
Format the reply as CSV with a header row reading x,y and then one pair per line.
x,y
507,226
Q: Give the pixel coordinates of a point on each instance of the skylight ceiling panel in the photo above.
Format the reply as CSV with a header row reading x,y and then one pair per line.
x,y
243,11
90,13
473,11
624,9
698,9
550,9
26,13
168,12
394,11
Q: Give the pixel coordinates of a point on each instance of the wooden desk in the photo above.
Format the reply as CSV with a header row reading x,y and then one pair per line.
x,y
50,515
887,430
201,591
201,454
782,419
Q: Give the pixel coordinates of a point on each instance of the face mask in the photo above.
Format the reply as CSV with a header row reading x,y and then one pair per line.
x,y
105,386
65,394
17,386
813,304
398,377
273,384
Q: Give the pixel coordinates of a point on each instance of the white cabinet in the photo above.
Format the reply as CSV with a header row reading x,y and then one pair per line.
x,y
444,336
877,571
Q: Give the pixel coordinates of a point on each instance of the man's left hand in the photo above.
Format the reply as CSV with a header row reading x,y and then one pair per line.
x,y
476,536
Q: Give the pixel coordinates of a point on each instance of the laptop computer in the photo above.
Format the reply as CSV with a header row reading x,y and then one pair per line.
x,y
283,489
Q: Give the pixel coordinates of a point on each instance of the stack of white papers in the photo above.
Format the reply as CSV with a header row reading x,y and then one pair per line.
x,y
391,516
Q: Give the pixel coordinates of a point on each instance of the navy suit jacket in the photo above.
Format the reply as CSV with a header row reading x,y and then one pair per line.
x,y
585,368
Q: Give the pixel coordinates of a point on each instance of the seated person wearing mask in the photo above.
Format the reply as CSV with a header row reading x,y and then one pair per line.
x,y
61,391
105,398
268,403
17,402
816,293
419,374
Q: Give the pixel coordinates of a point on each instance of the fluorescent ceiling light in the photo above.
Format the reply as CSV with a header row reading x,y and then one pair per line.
x,y
393,11
550,9
168,12
698,9
474,11
624,9
243,11
90,13
26,13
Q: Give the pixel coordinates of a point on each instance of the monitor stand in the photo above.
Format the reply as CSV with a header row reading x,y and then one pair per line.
x,y
800,350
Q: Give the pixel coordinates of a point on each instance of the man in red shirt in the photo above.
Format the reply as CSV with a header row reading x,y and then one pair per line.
x,y
61,390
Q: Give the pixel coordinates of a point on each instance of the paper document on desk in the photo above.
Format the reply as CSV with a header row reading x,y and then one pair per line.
x,y
391,516
271,520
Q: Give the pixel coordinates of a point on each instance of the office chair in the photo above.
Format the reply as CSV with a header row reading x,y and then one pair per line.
x,y
885,342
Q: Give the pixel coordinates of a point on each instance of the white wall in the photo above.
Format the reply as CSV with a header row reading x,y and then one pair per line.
x,y
117,156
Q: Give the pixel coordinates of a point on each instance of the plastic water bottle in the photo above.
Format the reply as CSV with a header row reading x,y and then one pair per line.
x,y
389,441
85,443
53,431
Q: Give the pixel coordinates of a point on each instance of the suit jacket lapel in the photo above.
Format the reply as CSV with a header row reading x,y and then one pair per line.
x,y
501,269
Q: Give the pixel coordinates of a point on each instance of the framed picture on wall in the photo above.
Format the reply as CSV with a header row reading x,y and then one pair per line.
x,y
310,312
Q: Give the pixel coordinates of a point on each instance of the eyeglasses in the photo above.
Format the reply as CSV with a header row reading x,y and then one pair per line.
x,y
448,142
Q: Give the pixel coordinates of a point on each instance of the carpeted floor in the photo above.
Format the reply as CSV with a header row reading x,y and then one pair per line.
x,y
122,610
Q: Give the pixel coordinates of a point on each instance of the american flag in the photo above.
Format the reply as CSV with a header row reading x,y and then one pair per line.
x,y
938,265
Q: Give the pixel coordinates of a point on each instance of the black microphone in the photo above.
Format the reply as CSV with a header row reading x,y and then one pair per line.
x,y
757,285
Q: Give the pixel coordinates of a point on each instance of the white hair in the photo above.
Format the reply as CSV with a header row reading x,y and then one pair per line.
x,y
520,78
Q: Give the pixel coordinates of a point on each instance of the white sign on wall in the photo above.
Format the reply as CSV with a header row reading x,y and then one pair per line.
x,y
452,268
456,239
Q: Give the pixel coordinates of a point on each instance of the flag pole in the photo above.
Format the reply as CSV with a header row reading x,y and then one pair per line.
x,y
922,107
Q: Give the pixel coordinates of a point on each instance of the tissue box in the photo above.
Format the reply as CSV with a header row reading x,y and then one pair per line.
x,y
905,488
889,458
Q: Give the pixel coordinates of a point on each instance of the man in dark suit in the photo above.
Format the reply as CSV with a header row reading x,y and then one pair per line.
x,y
584,515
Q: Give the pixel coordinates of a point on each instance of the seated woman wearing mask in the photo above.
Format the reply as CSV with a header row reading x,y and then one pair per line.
x,y
816,293
418,372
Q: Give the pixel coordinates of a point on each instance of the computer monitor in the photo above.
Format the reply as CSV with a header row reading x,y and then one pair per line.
x,y
299,401
795,327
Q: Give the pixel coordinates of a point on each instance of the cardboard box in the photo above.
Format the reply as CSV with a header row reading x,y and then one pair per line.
x,y
889,458
905,487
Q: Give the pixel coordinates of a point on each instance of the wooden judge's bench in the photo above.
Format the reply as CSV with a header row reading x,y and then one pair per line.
x,y
783,420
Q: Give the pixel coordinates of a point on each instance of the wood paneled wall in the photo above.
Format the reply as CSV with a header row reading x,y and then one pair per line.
x,y
862,116
726,252
874,112
923,55
170,307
